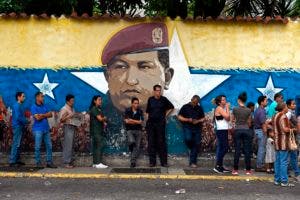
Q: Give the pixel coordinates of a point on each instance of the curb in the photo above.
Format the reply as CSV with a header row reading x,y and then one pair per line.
x,y
133,176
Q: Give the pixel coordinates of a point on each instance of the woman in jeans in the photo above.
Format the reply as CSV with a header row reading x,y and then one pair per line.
x,y
221,118
97,123
242,134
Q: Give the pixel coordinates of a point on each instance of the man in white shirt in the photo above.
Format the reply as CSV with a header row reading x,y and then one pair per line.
x,y
66,116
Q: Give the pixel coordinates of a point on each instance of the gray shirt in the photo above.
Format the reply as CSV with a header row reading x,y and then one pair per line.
x,y
241,115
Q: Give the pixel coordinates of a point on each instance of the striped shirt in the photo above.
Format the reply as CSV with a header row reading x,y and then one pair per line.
x,y
281,122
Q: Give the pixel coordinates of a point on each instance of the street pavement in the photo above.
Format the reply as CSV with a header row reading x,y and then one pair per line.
x,y
131,189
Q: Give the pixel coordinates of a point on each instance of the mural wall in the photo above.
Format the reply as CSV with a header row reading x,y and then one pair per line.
x,y
121,59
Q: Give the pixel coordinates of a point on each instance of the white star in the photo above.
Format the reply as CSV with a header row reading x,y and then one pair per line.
x,y
46,87
269,90
183,85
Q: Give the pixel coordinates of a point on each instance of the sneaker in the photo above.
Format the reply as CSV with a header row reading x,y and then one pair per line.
x,y
132,165
249,172
276,183
20,163
193,166
225,170
297,178
287,185
218,170
69,166
235,172
51,165
101,166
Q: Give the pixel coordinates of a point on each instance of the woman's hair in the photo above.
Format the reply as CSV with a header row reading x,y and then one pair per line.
x,y
218,99
93,101
280,106
243,97
289,102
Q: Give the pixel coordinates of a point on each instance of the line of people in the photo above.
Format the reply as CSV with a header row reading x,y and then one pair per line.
x,y
273,130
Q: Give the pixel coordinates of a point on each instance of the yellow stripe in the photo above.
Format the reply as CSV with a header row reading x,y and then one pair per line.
x,y
133,176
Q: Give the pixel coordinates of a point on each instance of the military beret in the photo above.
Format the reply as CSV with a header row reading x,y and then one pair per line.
x,y
136,38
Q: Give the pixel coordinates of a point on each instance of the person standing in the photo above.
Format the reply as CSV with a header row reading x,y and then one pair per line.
x,y
270,152
293,154
260,128
242,134
278,97
18,124
41,130
133,123
282,132
191,116
158,109
97,123
221,119
67,113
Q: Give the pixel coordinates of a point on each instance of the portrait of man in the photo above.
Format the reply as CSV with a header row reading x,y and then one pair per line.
x,y
137,58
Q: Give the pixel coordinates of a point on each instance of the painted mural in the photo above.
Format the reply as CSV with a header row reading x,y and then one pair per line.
x,y
131,60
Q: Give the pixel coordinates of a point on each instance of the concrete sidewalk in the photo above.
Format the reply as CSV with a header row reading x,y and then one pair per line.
x,y
136,173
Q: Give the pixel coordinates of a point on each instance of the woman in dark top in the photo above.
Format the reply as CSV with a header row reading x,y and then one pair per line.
x,y
242,133
97,123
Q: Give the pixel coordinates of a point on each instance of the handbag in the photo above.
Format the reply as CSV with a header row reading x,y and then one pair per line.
x,y
292,141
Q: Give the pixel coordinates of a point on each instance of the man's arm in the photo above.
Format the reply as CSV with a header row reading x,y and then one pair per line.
x,y
64,116
169,107
183,119
43,116
168,112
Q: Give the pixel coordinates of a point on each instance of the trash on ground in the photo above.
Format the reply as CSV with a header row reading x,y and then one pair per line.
x,y
180,191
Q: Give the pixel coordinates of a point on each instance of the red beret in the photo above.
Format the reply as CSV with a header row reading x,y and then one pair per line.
x,y
144,36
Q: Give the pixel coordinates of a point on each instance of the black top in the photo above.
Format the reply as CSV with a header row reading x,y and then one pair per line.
x,y
138,115
219,117
190,111
157,108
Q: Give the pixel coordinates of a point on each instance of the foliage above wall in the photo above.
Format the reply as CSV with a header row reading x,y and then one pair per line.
x,y
152,8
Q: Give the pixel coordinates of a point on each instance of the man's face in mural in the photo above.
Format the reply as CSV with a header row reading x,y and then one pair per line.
x,y
133,75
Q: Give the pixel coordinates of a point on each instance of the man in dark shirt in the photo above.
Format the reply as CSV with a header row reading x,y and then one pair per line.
x,y
191,116
158,108
133,124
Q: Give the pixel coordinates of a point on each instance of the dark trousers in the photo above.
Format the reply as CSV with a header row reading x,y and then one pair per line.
x,y
98,143
157,142
192,139
222,146
243,136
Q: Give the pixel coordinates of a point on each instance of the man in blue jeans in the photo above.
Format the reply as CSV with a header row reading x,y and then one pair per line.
x,y
191,116
18,124
260,128
41,129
